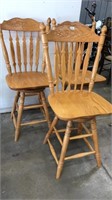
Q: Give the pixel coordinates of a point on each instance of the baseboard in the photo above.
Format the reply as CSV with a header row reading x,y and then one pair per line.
x,y
5,110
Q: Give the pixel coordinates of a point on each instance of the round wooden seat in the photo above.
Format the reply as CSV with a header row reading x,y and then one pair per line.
x,y
27,80
78,104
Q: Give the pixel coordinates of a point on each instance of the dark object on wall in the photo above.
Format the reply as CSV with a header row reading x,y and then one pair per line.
x,y
103,10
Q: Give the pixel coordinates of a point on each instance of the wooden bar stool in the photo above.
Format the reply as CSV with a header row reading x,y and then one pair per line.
x,y
77,103
21,45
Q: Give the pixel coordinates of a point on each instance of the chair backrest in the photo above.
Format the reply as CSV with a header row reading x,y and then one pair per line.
x,y
20,40
53,24
69,23
65,39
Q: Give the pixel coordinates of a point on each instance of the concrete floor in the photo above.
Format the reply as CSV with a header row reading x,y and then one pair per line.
x,y
28,169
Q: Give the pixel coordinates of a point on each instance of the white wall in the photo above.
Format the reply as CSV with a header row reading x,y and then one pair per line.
x,y
39,10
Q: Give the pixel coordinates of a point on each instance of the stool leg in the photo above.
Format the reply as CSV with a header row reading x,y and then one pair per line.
x,y
95,140
45,108
19,117
40,102
15,103
64,149
54,122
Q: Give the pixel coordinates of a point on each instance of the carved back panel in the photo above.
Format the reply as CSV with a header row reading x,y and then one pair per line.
x,y
20,39
66,40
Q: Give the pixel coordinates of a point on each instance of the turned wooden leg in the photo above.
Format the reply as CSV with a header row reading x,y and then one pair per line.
x,y
15,103
19,117
54,122
45,108
40,102
95,140
64,149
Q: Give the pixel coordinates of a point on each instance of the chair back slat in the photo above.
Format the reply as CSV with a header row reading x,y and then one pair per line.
x,y
77,66
75,53
59,48
70,67
63,65
24,52
85,64
66,53
82,52
37,52
56,65
18,50
31,51
12,51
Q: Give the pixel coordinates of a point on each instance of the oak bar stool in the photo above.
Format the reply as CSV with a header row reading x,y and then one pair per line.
x,y
73,104
20,40
99,78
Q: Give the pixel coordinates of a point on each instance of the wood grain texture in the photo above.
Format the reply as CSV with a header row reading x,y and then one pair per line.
x,y
76,104
19,24
73,32
27,80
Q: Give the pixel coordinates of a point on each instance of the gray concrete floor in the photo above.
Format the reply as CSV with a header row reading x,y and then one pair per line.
x,y
28,169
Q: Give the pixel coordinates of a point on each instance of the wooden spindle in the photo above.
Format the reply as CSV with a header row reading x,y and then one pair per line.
x,y
18,51
59,56
66,54
82,51
31,51
70,63
75,53
63,66
77,66
24,51
37,51
85,63
12,51
56,66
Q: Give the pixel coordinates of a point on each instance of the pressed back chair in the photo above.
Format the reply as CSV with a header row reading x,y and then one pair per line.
x,y
21,45
73,104
98,78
